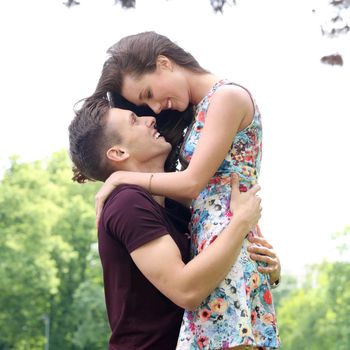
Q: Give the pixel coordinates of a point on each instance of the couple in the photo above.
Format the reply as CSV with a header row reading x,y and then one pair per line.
x,y
149,274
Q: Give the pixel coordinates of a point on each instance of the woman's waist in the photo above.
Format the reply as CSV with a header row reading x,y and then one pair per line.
x,y
221,183
203,237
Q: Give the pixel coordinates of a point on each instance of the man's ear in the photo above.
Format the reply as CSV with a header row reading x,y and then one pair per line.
x,y
164,62
117,154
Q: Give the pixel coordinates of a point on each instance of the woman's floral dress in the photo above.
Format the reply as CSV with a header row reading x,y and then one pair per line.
x,y
240,310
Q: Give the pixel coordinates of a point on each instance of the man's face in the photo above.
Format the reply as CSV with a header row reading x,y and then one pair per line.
x,y
139,137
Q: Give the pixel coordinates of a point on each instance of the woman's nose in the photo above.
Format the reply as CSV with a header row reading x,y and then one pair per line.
x,y
156,107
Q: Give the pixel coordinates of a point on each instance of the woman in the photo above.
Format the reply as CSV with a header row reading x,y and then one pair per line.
x,y
224,136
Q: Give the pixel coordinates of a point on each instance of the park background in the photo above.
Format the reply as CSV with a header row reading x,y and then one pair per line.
x,y
51,294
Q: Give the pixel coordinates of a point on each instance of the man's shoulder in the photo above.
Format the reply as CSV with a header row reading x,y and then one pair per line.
x,y
132,216
128,200
128,194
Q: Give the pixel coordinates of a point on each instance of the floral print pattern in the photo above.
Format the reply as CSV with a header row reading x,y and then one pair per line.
x,y
240,310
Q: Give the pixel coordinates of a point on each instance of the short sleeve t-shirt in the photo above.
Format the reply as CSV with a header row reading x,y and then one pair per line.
x,y
140,316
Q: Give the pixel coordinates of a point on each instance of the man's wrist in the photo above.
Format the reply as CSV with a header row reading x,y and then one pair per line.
x,y
239,224
276,283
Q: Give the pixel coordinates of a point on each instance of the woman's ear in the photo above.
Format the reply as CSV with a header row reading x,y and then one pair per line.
x,y
164,62
117,154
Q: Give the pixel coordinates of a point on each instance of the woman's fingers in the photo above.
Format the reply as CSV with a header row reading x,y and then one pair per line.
x,y
98,209
101,197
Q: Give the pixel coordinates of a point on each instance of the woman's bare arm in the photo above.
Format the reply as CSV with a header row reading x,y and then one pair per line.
x,y
231,109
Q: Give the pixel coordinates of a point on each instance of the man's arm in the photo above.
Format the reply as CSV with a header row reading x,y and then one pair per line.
x,y
187,285
262,250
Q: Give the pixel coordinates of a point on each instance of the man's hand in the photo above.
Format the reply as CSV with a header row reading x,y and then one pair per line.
x,y
261,250
246,206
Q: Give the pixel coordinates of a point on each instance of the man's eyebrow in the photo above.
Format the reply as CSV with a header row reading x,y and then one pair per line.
x,y
132,117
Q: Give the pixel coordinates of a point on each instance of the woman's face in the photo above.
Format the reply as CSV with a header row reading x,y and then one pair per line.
x,y
165,88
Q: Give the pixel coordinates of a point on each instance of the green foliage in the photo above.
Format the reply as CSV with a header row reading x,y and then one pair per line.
x,y
287,286
316,316
48,251
50,268
90,315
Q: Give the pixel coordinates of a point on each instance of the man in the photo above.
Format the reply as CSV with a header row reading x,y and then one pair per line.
x,y
143,241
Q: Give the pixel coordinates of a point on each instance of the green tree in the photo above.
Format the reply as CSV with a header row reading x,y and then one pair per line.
x,y
316,316
90,315
50,268
283,291
28,274
48,252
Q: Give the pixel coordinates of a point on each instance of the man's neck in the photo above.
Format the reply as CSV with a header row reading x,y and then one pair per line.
x,y
152,167
159,199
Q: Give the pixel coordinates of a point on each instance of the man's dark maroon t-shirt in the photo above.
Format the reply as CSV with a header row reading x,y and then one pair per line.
x,y
140,316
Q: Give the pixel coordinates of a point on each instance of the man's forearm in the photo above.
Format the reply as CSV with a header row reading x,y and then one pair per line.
x,y
203,274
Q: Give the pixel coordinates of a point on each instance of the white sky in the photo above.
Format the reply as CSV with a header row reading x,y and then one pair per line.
x,y
52,56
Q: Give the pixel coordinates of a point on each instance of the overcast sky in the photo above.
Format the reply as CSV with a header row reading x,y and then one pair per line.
x,y
52,57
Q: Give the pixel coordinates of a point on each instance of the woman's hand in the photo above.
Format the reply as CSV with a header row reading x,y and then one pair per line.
x,y
109,185
261,250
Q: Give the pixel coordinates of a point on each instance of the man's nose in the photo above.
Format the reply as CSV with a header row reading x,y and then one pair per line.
x,y
150,122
